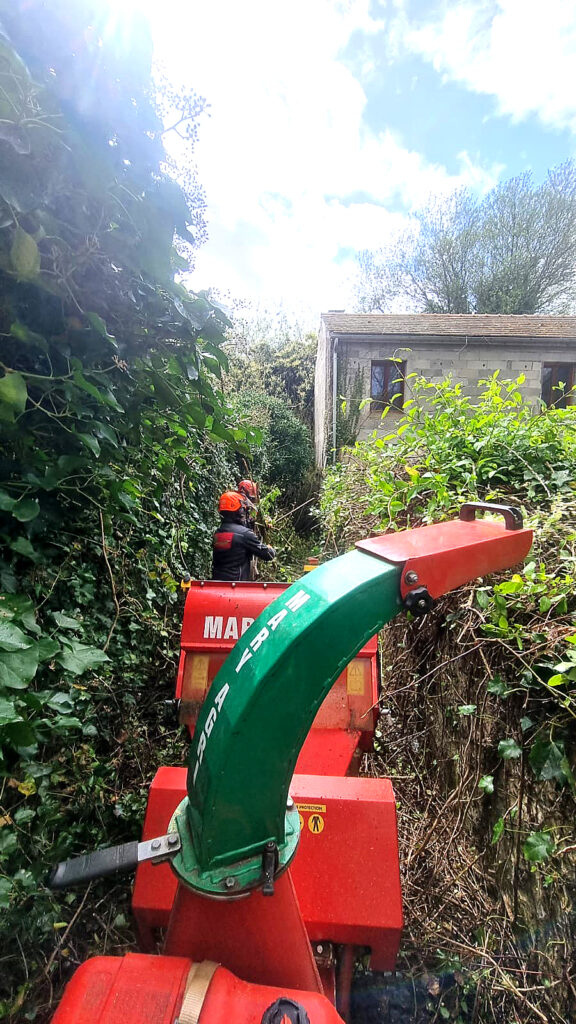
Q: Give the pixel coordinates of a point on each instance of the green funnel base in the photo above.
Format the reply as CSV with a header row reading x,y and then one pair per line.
x,y
227,881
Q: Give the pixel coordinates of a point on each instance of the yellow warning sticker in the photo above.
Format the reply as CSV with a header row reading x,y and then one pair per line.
x,y
314,808
199,674
316,824
355,678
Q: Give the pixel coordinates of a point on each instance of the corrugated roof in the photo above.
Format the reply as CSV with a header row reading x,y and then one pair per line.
x,y
438,324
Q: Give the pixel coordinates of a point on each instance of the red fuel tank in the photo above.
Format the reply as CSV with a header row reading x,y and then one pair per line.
x,y
141,989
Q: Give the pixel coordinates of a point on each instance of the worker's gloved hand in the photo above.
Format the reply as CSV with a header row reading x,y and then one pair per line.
x,y
272,551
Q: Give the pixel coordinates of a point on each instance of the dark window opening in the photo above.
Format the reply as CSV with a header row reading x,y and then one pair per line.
x,y
387,383
554,375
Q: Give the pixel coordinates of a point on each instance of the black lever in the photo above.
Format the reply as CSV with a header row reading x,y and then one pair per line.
x,y
512,516
113,859
269,867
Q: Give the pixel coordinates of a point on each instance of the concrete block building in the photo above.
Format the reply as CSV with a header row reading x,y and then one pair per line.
x,y
365,355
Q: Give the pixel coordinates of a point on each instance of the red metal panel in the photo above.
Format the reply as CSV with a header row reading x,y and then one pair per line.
x,y
215,616
260,938
137,989
346,875
446,555
155,884
329,752
346,870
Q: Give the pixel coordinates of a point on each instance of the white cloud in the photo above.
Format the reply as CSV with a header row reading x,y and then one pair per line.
x,y
293,179
523,52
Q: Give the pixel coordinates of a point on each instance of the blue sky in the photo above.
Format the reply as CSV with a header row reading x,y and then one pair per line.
x,y
332,121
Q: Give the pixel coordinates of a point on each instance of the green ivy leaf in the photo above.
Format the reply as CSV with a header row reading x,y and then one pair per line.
x,y
24,255
22,546
97,324
548,761
497,831
6,502
91,442
557,679
28,337
467,709
8,712
78,658
12,638
538,846
498,687
20,734
13,395
66,622
26,509
486,784
47,648
508,749
18,668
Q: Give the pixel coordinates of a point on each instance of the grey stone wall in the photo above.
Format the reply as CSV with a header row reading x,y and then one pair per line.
x,y
467,362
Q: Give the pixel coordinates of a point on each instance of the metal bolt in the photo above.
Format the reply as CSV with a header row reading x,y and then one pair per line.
x,y
155,844
173,839
320,948
421,603
411,577
289,803
230,882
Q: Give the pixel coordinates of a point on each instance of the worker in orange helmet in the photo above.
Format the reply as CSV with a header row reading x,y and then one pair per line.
x,y
249,491
234,544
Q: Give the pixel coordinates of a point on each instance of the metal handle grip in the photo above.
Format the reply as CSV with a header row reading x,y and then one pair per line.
x,y
94,865
512,516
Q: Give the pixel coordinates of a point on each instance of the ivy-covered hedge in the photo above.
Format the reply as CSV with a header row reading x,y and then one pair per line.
x,y
115,439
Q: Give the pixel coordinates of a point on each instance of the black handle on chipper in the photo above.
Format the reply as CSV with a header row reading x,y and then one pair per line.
x,y
94,865
512,516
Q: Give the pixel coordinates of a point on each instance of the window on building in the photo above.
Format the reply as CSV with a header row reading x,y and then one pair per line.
x,y
387,383
554,375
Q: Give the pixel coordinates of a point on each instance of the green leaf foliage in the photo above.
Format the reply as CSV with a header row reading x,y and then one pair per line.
x,y
538,846
116,438
486,784
509,749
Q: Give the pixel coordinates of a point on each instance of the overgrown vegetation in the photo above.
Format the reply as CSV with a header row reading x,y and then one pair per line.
x,y
115,441
479,706
270,380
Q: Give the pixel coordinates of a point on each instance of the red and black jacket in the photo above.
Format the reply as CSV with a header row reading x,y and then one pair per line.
x,y
234,545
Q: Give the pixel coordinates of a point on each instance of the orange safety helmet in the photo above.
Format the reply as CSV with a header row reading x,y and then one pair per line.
x,y
230,501
249,488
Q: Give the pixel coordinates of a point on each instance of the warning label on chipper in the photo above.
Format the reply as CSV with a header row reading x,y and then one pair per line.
x,y
311,808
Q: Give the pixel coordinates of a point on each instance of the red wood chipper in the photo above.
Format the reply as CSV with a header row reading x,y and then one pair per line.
x,y
268,864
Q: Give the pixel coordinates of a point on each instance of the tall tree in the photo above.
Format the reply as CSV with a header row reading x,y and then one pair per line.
x,y
511,252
